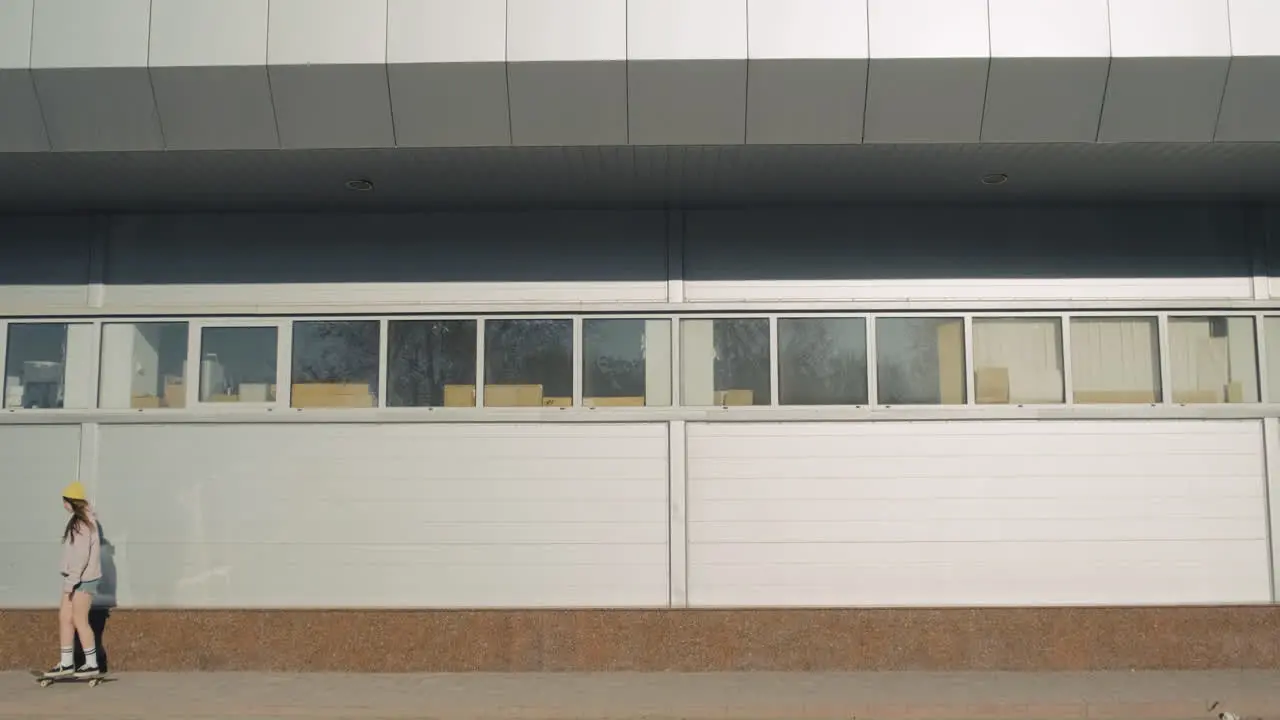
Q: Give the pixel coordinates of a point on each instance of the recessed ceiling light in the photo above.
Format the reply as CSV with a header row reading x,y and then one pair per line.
x,y
359,185
994,179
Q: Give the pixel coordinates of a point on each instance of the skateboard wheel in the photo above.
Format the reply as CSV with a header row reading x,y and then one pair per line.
x,y
46,683
94,683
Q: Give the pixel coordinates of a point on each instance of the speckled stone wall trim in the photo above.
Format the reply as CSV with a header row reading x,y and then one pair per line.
x,y
1183,638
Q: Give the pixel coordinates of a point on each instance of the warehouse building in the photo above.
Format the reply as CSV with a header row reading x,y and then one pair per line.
x,y
645,334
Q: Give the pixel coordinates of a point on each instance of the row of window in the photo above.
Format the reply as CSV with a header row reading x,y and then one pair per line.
x,y
624,362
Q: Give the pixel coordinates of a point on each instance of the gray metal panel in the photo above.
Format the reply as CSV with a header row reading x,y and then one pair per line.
x,y
687,103
21,122
566,30
327,32
446,31
99,109
90,34
215,108
450,104
15,34
568,103
925,100
332,106
806,101
1251,103
1163,100
1044,100
194,33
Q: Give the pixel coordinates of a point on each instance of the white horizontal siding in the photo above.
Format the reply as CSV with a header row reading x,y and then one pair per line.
x,y
36,462
395,515
1004,253
977,513
207,261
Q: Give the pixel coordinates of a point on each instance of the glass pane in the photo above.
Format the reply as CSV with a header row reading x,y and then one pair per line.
x,y
1115,360
1271,332
238,364
1017,361
725,362
920,361
528,363
144,365
335,364
48,365
822,361
626,363
1213,360
431,363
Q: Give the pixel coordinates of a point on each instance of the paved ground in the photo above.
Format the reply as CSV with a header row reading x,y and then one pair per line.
x,y
631,696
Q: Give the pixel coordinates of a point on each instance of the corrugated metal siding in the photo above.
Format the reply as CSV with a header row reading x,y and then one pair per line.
x,y
206,261
36,462
977,513
519,515
978,253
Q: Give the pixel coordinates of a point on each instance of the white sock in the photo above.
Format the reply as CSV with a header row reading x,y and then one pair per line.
x,y
91,657
68,657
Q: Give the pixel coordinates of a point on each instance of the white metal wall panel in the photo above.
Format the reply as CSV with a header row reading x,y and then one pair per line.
x,y
977,513
37,462
976,253
208,261
394,515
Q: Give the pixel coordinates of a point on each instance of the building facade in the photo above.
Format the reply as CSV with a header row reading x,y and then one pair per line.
x,y
645,334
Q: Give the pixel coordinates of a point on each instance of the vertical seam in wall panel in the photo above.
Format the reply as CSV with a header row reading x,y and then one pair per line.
x,y
626,76
386,70
31,76
155,104
1106,85
866,87
266,68
986,88
1271,475
506,69
1231,58
678,516
746,74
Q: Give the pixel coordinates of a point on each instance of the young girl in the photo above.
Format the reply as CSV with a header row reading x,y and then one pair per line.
x,y
81,572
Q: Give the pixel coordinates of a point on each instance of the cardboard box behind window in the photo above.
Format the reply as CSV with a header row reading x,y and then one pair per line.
x,y
735,398
331,395
557,402
951,363
459,395
513,395
991,386
614,401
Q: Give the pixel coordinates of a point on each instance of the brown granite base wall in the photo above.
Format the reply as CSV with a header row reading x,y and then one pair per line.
x,y
653,640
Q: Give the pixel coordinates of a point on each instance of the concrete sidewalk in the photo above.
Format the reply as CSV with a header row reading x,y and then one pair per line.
x,y
629,696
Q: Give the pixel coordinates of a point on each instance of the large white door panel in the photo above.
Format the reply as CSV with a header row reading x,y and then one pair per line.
x,y
977,513
400,515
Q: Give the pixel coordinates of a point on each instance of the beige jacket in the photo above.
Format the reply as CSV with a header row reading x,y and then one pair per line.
x,y
82,556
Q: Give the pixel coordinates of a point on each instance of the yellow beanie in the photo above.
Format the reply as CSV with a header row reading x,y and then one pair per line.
x,y
74,491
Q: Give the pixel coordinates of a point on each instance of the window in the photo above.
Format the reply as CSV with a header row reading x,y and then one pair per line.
x,y
528,363
1271,336
822,361
626,363
48,366
335,364
920,361
725,362
1115,360
1213,360
238,364
431,363
1017,361
144,365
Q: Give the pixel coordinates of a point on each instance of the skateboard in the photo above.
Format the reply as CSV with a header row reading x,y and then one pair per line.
x,y
46,681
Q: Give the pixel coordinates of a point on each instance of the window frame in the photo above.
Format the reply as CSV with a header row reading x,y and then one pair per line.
x,y
575,357
284,361
98,365
677,355
776,361
95,361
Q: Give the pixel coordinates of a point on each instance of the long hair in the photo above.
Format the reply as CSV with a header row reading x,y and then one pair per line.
x,y
79,521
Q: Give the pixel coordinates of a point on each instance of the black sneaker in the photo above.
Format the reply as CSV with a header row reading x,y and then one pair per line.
x,y
60,671
88,671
